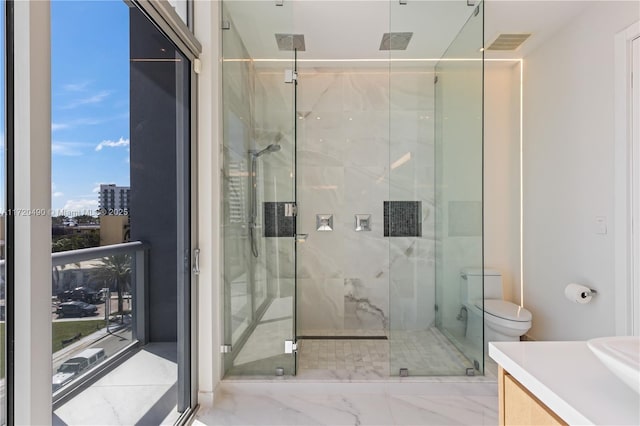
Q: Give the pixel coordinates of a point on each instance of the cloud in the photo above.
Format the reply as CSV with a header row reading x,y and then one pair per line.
x,y
96,188
68,149
112,144
57,194
76,87
95,99
80,207
59,126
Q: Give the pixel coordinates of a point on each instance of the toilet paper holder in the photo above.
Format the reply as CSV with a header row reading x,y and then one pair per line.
x,y
579,293
590,292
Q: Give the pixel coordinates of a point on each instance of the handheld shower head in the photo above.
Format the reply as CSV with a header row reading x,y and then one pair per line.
x,y
271,148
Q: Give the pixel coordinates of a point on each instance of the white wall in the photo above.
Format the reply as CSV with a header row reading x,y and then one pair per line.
x,y
569,173
502,173
32,252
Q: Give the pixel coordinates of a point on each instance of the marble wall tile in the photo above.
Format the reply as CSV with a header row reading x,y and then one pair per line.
x,y
321,191
365,307
321,138
321,91
366,138
412,281
366,91
411,90
345,158
278,257
320,304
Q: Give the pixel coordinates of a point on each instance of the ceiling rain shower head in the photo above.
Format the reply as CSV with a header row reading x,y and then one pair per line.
x,y
290,42
395,41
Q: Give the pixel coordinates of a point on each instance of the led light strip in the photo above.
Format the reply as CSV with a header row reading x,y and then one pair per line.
x,y
372,60
521,185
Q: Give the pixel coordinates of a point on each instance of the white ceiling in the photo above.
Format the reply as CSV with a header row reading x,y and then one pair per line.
x,y
346,29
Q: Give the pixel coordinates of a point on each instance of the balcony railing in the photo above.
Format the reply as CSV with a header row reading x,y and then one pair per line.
x,y
107,328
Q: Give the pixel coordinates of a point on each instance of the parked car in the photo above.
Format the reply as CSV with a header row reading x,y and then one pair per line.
x,y
76,309
76,365
83,294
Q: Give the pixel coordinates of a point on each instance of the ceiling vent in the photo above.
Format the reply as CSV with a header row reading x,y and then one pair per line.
x,y
290,42
508,41
395,41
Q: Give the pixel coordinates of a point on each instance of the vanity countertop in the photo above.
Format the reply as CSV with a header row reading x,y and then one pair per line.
x,y
569,379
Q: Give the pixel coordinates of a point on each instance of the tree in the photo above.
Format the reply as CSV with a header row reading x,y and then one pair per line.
x,y
85,219
66,242
115,271
59,220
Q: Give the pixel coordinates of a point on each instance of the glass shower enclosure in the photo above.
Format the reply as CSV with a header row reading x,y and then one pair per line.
x,y
352,191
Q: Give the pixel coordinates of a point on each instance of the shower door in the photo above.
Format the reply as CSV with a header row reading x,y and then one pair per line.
x,y
459,190
259,175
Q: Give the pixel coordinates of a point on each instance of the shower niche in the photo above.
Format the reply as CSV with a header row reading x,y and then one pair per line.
x,y
338,239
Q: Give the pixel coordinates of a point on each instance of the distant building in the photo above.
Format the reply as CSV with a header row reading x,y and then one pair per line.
x,y
114,229
114,200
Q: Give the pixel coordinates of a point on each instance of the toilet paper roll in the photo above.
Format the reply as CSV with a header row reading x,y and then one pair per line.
x,y
578,293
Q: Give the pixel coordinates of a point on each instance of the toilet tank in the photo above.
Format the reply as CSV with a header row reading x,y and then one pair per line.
x,y
471,284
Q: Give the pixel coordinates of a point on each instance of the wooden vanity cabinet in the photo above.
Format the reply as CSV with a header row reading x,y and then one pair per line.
x,y
518,406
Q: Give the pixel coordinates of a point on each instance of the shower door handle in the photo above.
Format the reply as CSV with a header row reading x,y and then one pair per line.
x,y
196,262
290,209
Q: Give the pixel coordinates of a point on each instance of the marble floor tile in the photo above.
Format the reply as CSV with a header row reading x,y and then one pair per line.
x,y
422,352
141,390
376,403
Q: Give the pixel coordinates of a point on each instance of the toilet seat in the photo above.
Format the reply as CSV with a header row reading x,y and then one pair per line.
x,y
504,310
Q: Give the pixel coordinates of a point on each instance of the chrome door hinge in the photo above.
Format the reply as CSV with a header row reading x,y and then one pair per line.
x,y
225,25
435,79
196,262
225,349
197,66
290,209
290,76
290,346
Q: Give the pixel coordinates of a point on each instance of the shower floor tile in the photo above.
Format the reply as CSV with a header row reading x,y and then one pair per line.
x,y
424,353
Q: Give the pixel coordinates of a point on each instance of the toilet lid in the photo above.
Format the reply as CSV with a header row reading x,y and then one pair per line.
x,y
506,310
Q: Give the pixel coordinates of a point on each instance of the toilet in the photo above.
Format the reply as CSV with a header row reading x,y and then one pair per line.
x,y
503,321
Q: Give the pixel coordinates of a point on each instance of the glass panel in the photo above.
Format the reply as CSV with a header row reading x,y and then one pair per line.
x,y
417,245
181,7
458,191
130,83
93,322
259,179
92,306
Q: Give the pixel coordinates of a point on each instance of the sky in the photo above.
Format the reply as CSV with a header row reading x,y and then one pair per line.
x,y
90,102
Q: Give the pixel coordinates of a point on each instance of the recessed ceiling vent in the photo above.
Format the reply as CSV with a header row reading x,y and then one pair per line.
x,y
395,41
508,41
290,42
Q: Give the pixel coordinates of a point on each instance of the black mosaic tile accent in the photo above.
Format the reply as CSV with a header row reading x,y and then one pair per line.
x,y
276,224
403,218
